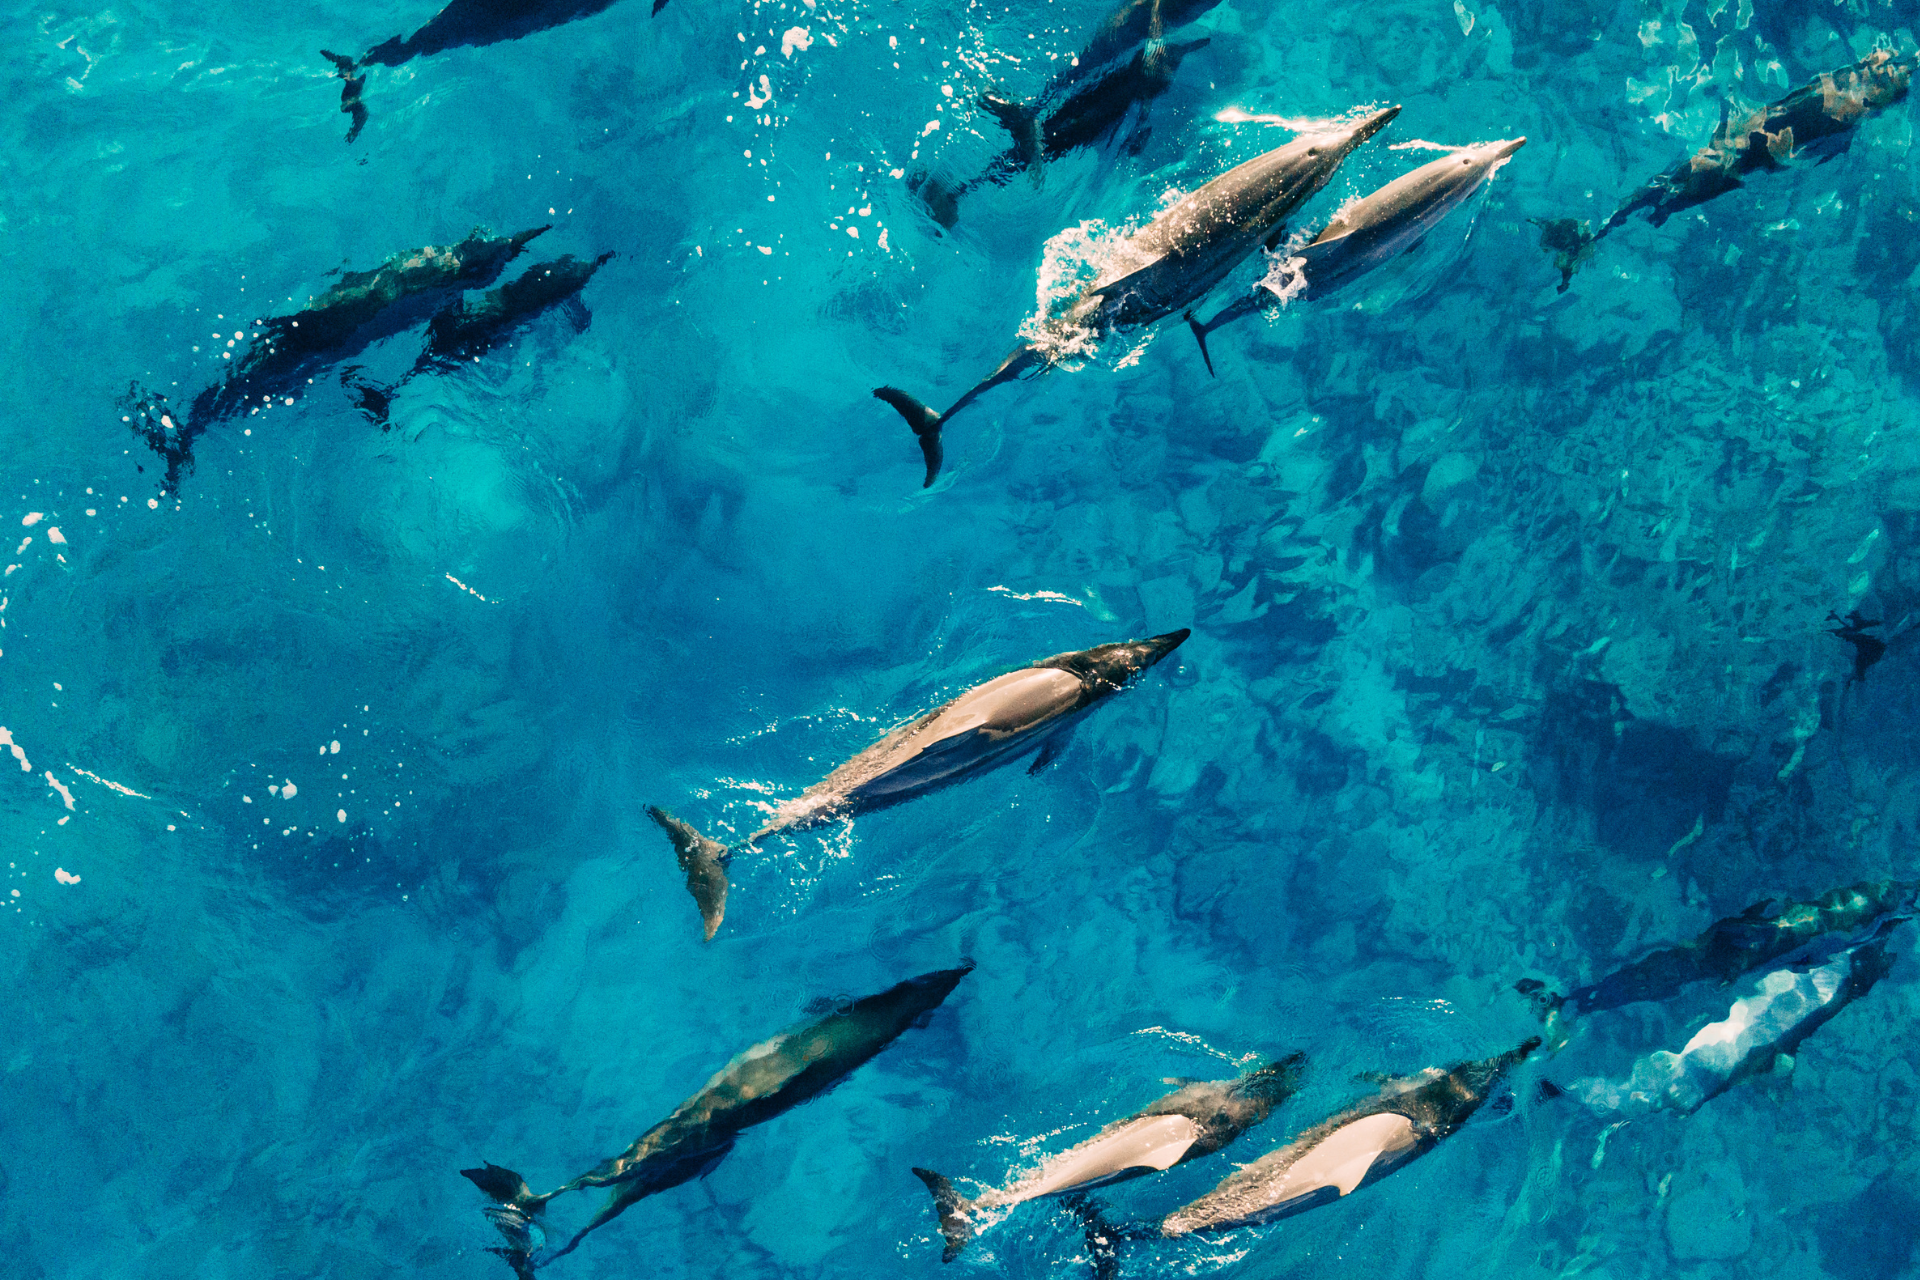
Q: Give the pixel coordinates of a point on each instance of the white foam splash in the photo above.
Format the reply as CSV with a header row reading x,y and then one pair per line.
x,y
61,787
1054,596
108,783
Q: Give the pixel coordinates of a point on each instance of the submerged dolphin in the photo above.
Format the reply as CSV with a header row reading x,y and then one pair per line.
x,y
1043,131
1170,263
1371,231
359,310
1196,1120
1135,24
463,23
1761,935
770,1078
468,329
987,726
1788,1005
1817,119
1354,1149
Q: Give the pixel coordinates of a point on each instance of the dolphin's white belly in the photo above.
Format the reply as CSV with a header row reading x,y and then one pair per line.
x,y
1355,1153
1150,1142
979,728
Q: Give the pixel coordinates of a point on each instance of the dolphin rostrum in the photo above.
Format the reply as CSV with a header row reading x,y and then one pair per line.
x,y
1196,1120
1170,263
770,1078
1817,119
360,309
1369,232
1353,1149
988,725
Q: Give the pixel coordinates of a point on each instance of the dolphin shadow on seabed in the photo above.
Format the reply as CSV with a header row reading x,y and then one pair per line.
x,y
461,24
1818,119
1186,251
286,352
766,1081
468,329
989,725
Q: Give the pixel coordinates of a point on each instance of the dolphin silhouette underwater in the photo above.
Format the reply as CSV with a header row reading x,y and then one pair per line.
x,y
468,329
360,309
1818,119
461,24
1169,264
1369,232
1092,111
989,725
1199,1119
765,1081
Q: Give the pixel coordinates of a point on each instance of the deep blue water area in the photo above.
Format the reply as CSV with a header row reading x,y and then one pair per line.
x,y
328,867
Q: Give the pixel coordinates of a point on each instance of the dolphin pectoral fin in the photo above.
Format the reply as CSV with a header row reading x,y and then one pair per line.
x,y
924,422
705,862
1200,336
1049,752
954,1210
577,314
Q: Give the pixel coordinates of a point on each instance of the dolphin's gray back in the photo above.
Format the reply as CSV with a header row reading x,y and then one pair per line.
x,y
1385,224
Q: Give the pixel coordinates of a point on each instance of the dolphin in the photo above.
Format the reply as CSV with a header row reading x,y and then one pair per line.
x,y
1818,119
467,329
1353,1149
1041,131
460,24
361,308
1768,932
1135,24
1788,1005
985,727
1198,1119
1369,232
772,1077
1170,263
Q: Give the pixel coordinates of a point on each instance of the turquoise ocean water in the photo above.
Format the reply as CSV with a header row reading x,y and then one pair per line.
x,y
1510,653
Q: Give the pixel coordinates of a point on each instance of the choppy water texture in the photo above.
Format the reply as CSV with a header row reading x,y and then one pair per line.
x,y
1509,658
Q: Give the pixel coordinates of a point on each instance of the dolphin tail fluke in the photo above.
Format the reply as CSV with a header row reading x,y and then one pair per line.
x,y
1200,336
1571,244
705,863
925,423
354,84
1023,122
955,1210
1103,1238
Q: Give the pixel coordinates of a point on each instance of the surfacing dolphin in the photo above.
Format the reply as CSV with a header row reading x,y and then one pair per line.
x,y
359,310
1170,263
1818,119
1773,931
989,725
1788,1005
1198,1119
772,1077
1368,233
1353,1149
468,329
